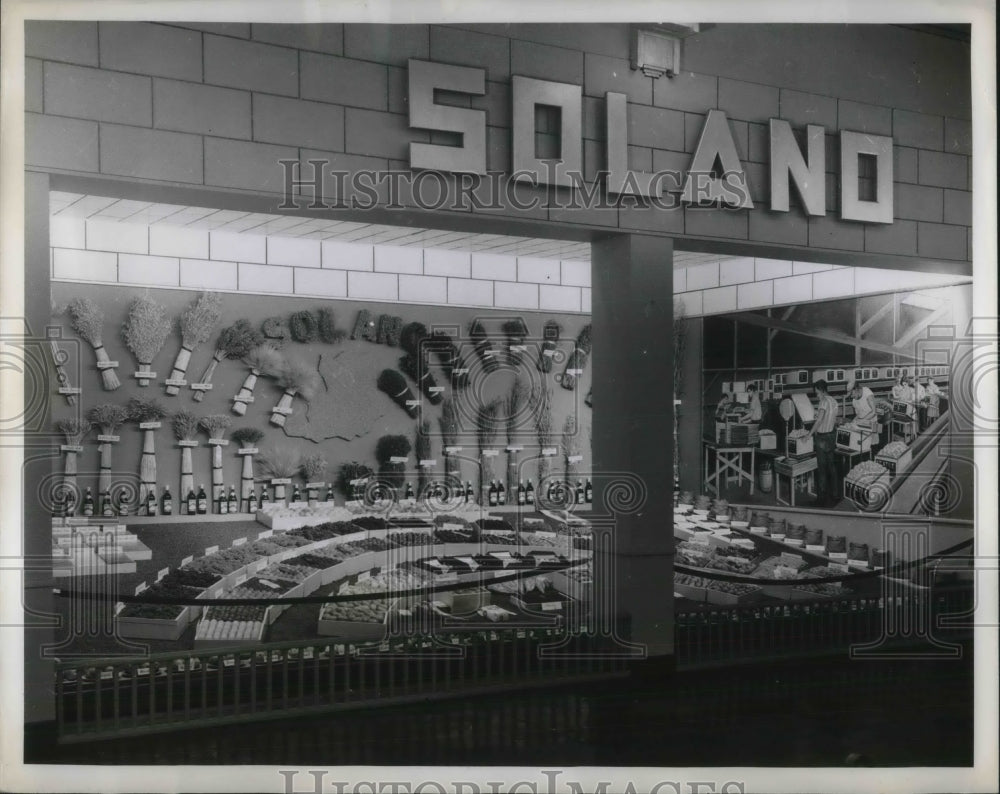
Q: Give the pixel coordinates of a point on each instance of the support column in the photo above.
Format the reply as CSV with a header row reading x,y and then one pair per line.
x,y
632,310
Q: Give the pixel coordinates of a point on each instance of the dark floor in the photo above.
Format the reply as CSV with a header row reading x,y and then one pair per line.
x,y
914,712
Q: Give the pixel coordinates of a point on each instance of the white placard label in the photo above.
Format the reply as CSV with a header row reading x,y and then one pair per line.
x,y
239,541
108,439
281,481
575,458
201,386
70,448
549,353
574,372
490,453
452,450
314,485
551,606
279,409
140,588
548,452
837,555
187,443
858,563
144,375
413,403
175,382
489,353
70,390
150,425
107,364
398,459
211,550
161,573
187,561
247,451
219,442
514,448
815,547
435,389
460,371
428,463
518,348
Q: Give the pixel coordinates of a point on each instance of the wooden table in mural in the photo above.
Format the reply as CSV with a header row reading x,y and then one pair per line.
x,y
728,466
799,472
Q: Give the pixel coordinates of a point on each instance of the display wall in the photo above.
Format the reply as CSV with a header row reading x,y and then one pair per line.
x,y
348,414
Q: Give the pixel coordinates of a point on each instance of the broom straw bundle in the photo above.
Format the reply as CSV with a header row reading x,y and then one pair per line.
x,y
185,425
514,406
422,447
246,437
74,430
577,359
145,330
143,411
264,359
88,320
108,418
234,342
279,463
216,425
487,428
196,324
313,467
296,378
449,435
543,430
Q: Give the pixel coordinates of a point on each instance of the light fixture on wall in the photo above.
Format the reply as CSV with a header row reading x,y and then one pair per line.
x,y
656,49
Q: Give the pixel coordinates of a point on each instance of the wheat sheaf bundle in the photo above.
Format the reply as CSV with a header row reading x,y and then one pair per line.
x,y
296,377
141,410
264,359
216,426
393,384
280,462
108,417
246,437
487,427
313,469
196,324
185,426
87,320
144,331
73,430
449,426
235,341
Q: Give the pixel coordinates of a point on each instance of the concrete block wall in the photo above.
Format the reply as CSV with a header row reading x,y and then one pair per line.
x,y
219,105
747,283
101,250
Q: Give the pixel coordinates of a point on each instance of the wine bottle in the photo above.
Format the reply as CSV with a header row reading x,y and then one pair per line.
x,y
579,492
252,502
521,495
493,494
151,502
468,492
588,493
202,505
122,505
70,503
501,493
329,492
221,503
409,491
529,494
192,503
264,497
234,504
296,496
88,504
167,502
107,508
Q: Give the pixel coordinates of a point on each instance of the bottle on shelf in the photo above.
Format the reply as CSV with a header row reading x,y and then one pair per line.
x,y
329,492
409,491
191,504
202,504
501,493
70,503
151,502
167,502
264,497
493,494
588,492
107,508
469,496
579,492
296,496
222,503
529,494
252,502
521,493
88,504
234,503
122,504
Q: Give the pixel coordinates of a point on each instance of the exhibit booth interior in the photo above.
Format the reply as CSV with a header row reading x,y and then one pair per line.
x,y
293,459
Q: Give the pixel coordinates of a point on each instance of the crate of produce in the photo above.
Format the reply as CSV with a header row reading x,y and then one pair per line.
x,y
800,444
867,485
855,438
153,621
896,457
768,439
712,590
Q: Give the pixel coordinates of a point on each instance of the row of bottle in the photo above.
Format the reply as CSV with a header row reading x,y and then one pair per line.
x,y
195,504
522,494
